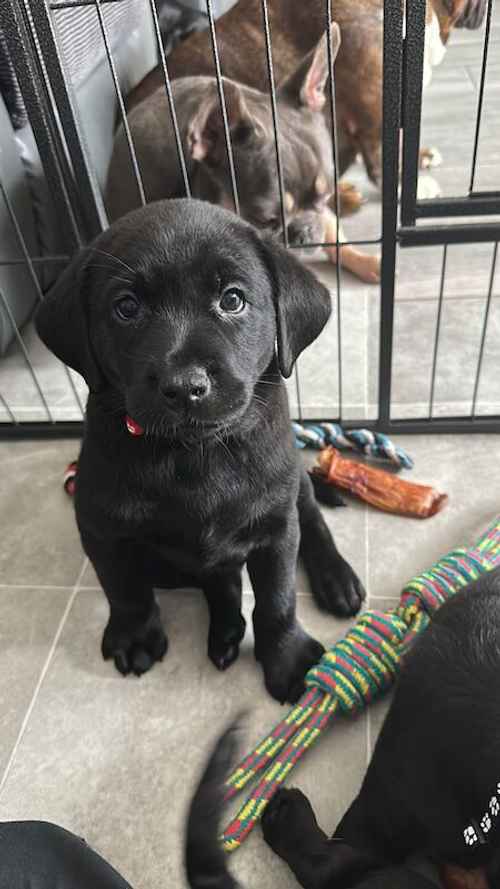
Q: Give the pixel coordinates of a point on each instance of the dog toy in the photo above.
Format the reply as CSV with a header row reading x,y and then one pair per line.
x,y
378,487
371,444
358,669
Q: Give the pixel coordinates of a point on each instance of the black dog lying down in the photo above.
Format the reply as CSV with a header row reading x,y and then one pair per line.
x,y
433,785
172,316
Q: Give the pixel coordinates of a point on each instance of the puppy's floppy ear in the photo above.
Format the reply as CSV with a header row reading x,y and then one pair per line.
x,y
303,304
205,134
62,321
307,85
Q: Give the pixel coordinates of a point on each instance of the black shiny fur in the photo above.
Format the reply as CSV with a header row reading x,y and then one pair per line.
x,y
435,767
214,482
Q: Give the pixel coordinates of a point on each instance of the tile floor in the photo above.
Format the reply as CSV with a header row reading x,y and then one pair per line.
x,y
114,759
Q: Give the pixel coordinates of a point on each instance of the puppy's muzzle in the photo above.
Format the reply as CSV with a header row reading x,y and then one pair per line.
x,y
308,228
185,389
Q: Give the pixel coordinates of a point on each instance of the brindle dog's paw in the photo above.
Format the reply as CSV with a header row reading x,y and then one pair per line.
x,y
134,649
288,822
224,643
286,665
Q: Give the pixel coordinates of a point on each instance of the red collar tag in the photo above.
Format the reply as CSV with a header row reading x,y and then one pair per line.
x,y
133,427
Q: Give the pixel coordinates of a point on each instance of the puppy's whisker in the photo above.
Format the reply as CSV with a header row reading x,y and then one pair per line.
x,y
114,258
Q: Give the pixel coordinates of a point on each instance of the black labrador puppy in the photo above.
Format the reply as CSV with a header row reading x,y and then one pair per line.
x,y
183,320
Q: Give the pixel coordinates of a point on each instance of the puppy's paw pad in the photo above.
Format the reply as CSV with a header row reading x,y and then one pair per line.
x,y
286,667
341,591
427,188
134,650
287,821
223,649
430,158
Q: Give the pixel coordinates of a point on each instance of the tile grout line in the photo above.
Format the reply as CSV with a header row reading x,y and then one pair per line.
x,y
42,676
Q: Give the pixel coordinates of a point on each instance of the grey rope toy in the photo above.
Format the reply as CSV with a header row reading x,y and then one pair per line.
x,y
364,441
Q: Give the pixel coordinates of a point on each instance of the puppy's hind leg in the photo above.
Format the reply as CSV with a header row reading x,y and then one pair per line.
x,y
227,624
334,585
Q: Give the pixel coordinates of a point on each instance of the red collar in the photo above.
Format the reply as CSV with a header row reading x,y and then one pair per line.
x,y
133,427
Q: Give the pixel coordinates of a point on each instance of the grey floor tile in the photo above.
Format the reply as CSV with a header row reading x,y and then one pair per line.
x,y
29,619
458,351
18,383
40,542
115,759
464,467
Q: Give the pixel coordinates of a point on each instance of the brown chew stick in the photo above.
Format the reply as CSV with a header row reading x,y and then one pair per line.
x,y
378,487
454,877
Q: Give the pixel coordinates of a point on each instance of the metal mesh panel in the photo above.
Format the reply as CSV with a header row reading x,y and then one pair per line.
x,y
387,355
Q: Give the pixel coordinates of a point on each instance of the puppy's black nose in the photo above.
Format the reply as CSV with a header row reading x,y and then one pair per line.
x,y
186,387
300,234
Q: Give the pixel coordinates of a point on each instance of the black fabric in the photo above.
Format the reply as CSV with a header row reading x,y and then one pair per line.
x,y
9,87
38,855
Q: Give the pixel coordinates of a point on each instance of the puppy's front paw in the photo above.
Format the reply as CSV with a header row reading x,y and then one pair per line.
x,y
335,586
286,662
288,822
134,648
429,158
224,643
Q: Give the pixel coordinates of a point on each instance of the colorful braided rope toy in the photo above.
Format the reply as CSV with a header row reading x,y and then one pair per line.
x,y
358,669
371,444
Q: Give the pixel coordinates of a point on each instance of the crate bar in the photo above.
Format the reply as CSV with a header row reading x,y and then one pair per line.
x,y
274,112
88,191
37,260
41,117
30,430
223,108
443,426
335,154
437,334
413,72
279,163
76,4
5,404
479,203
485,329
393,37
170,100
430,236
121,104
26,357
479,112
36,284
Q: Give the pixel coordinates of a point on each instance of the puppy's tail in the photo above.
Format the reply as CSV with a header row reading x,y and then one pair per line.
x,y
206,862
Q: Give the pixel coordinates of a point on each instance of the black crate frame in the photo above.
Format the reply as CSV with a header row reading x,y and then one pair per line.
x,y
31,38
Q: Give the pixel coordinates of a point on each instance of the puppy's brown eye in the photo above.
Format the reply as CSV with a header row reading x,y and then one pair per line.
x,y
126,308
232,301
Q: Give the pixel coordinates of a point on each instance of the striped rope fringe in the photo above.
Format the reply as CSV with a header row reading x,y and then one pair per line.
x,y
357,670
364,441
